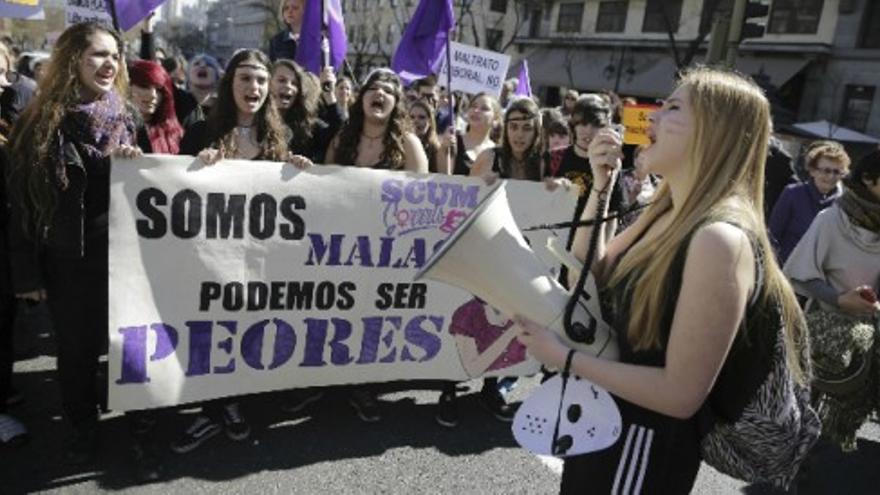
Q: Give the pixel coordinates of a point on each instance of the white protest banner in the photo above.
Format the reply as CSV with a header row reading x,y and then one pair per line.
x,y
248,277
475,70
77,11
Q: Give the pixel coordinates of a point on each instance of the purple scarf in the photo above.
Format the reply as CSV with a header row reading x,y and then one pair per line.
x,y
96,128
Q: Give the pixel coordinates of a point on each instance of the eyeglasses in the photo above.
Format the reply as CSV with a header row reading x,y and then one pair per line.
x,y
834,172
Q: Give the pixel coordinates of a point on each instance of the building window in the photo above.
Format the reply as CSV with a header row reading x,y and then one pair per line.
x,y
570,17
795,16
493,39
871,29
535,24
857,103
498,6
612,16
662,16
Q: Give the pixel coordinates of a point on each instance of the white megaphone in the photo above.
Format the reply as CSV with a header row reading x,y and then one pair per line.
x,y
488,256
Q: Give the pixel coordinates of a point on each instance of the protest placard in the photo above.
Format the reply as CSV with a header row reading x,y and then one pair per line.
x,y
77,11
22,9
248,277
635,118
475,70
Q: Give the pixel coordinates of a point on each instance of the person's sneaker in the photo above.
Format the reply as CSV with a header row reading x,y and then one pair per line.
x,y
12,431
365,405
82,446
494,402
300,399
236,427
147,467
199,432
447,410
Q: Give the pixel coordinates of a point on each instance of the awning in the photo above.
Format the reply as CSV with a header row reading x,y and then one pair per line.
x,y
778,69
644,73
826,130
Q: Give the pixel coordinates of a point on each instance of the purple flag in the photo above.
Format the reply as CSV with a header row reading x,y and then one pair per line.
x,y
131,12
523,85
421,47
308,51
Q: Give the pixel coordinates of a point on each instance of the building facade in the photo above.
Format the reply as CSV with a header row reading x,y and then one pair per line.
x,y
374,27
234,24
820,59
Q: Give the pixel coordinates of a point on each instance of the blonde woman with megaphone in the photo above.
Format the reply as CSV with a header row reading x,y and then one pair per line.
x,y
694,314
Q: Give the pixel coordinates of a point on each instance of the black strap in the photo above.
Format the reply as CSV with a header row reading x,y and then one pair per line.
x,y
578,332
565,374
587,223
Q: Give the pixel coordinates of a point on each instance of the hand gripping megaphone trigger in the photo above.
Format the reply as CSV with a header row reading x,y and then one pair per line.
x,y
488,256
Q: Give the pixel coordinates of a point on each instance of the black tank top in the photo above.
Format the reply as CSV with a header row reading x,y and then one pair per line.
x,y
463,162
658,453
504,170
748,361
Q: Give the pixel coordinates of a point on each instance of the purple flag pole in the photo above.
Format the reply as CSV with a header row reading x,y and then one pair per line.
x,y
523,84
111,4
325,44
450,98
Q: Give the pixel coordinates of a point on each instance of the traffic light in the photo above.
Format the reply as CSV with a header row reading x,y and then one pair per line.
x,y
754,10
741,28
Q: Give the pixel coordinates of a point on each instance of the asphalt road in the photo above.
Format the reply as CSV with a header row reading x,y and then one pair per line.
x,y
326,449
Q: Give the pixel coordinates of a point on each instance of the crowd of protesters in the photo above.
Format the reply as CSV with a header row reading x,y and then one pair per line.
x,y
92,103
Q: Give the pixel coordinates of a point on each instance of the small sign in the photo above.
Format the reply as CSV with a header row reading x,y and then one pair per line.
x,y
79,11
475,70
635,118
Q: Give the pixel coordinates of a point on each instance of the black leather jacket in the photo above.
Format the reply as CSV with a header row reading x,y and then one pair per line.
x,y
65,235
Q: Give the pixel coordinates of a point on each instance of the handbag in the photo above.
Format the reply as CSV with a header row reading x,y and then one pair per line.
x,y
777,428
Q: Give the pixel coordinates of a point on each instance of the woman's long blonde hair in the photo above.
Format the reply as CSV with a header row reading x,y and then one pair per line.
x,y
726,183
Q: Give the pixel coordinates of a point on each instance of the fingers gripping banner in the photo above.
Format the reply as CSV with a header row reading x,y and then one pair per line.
x,y
247,277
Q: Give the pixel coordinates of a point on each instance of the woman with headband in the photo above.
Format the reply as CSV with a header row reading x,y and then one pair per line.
x,y
378,135
243,125
519,156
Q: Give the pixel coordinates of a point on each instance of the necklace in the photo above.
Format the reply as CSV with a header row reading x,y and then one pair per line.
x,y
243,130
372,138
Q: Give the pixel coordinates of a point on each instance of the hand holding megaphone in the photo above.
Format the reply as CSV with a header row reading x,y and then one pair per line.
x,y
606,154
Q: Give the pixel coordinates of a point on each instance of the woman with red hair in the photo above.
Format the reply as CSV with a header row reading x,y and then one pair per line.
x,y
152,93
